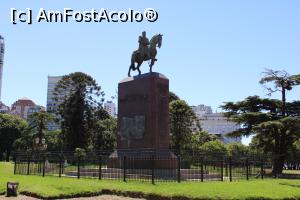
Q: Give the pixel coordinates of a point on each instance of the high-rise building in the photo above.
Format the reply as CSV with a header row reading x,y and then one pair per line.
x,y
110,107
25,107
2,47
52,104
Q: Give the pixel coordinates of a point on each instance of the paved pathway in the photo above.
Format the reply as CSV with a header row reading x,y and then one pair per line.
x,y
103,197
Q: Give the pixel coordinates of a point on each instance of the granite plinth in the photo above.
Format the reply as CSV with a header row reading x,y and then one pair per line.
x,y
143,120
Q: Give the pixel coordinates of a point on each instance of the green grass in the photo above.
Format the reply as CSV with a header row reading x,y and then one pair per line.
x,y
54,186
291,171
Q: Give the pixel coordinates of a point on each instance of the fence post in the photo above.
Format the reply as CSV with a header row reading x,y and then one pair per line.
x,y
152,168
222,166
262,169
226,168
201,168
44,166
28,165
124,168
60,166
178,168
78,168
247,169
100,168
15,166
230,169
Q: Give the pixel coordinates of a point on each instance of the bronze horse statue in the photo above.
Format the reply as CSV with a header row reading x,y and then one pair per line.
x,y
139,57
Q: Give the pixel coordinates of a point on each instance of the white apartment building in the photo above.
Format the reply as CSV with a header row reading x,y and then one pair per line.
x,y
215,123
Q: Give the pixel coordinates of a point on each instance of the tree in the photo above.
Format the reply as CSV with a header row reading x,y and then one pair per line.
x,y
293,108
214,148
80,98
200,138
237,149
173,97
282,82
105,134
284,132
54,140
293,159
38,123
181,120
11,128
268,119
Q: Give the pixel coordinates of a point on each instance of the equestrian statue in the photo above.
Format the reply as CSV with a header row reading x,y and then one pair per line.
x,y
146,52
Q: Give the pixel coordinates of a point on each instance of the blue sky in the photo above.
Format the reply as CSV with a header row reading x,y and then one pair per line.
x,y
212,51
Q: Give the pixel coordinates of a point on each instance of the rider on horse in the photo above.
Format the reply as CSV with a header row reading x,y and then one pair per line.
x,y
143,45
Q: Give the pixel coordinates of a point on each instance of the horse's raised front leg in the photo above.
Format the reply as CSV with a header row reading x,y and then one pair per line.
x,y
151,64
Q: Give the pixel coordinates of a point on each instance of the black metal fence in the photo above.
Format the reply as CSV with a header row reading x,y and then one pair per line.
x,y
144,166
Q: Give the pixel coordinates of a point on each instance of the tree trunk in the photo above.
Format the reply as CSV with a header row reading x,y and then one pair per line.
x,y
1,155
7,155
280,148
278,165
283,95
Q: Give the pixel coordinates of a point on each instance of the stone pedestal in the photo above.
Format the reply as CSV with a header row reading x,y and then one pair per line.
x,y
143,121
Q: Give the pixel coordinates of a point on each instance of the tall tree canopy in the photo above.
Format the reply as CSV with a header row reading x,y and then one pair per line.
x,y
272,121
38,123
11,128
104,137
182,118
173,97
37,128
80,97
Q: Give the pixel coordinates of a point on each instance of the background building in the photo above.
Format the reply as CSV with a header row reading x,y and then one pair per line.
x,y
216,123
25,107
201,109
2,47
3,108
110,107
52,105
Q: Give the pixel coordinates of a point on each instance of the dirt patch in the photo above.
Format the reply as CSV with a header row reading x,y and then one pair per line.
x,y
102,197
20,197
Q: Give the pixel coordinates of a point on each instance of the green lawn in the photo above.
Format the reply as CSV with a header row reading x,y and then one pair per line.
x,y
54,187
291,171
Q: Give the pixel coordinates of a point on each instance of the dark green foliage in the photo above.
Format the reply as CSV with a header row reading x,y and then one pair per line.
x,y
80,98
293,108
38,123
214,148
104,137
236,149
54,140
173,97
200,138
11,129
181,120
80,153
273,122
